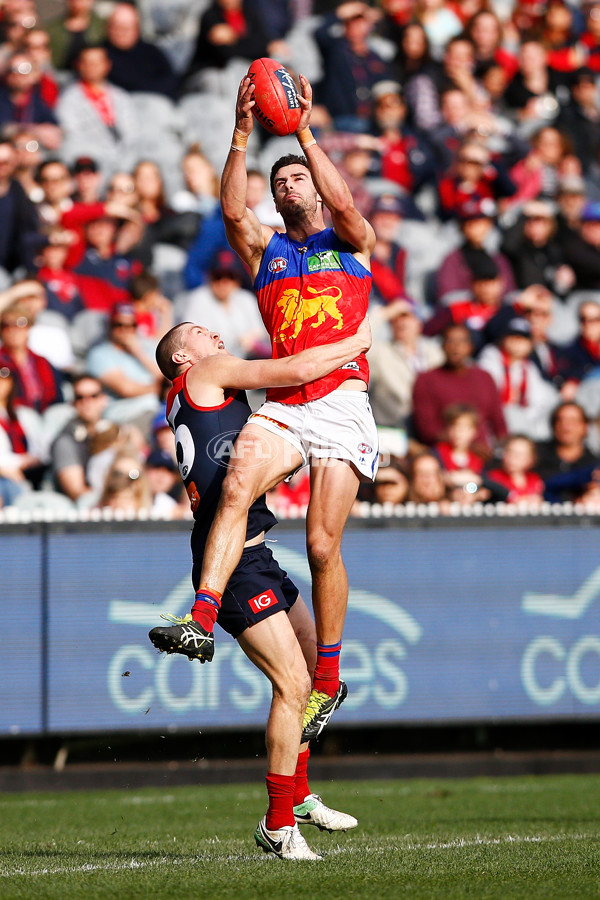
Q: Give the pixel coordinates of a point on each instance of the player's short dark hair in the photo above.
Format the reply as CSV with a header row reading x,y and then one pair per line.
x,y
290,159
168,344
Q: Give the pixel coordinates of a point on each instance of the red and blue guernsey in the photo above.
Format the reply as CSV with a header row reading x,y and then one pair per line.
x,y
204,439
310,294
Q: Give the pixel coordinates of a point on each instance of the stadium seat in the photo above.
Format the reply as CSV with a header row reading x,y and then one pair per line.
x,y
50,500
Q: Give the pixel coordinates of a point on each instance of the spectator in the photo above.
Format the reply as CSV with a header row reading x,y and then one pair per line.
x,y
36,44
405,158
439,22
583,354
571,201
516,472
61,283
38,383
391,485
418,74
564,462
582,249
395,364
98,118
78,27
124,364
535,252
153,311
17,463
537,176
17,214
388,261
477,227
136,65
458,451
71,449
223,306
484,29
164,479
126,486
527,399
104,274
473,178
229,29
163,225
426,481
458,380
48,335
549,357
21,102
29,158
580,118
87,179
201,192
351,66
532,92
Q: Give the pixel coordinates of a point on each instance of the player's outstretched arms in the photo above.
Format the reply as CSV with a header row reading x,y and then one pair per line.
x,y
244,232
348,223
302,368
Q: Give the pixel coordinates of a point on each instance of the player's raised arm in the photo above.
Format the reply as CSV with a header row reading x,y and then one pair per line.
x,y
228,371
244,232
348,223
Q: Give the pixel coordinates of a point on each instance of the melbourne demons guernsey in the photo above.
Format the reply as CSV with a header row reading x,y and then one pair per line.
x,y
204,439
310,294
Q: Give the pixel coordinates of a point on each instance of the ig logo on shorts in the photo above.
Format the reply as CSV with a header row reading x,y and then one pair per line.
x,y
263,601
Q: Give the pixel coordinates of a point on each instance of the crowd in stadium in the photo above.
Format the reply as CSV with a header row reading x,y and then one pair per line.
x,y
469,134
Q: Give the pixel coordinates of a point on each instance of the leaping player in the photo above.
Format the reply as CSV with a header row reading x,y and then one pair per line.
x,y
313,286
206,405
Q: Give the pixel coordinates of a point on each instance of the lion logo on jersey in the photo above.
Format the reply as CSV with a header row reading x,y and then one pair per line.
x,y
297,310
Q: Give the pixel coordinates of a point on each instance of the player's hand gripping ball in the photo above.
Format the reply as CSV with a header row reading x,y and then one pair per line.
x,y
276,98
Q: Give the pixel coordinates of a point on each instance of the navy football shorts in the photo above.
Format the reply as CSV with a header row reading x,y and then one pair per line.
x,y
257,589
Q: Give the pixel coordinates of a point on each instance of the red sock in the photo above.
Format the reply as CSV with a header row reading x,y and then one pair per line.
x,y
206,608
327,670
280,789
301,788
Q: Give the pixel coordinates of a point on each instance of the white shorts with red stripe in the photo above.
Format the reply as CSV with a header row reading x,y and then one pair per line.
x,y
337,426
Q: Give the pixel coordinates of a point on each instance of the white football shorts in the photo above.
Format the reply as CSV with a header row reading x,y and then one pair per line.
x,y
337,426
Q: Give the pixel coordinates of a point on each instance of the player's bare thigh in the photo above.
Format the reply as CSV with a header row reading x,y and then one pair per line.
x,y
333,488
258,462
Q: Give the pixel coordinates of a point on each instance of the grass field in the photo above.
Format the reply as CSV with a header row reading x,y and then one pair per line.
x,y
521,838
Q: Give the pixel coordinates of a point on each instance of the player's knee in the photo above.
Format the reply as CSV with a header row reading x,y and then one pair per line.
x,y
323,550
294,687
236,490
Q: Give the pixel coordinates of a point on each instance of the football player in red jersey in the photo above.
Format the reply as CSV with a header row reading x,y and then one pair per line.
x,y
261,607
312,285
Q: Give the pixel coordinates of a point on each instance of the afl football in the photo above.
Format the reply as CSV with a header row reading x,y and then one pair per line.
x,y
276,98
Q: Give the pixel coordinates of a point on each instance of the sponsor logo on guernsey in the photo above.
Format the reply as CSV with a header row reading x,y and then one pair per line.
x,y
324,259
263,601
278,264
365,448
287,83
351,365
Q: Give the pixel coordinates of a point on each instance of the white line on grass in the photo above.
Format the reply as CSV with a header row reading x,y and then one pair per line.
x,y
401,844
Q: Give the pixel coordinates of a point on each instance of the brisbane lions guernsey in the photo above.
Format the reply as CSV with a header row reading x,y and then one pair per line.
x,y
310,294
204,439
